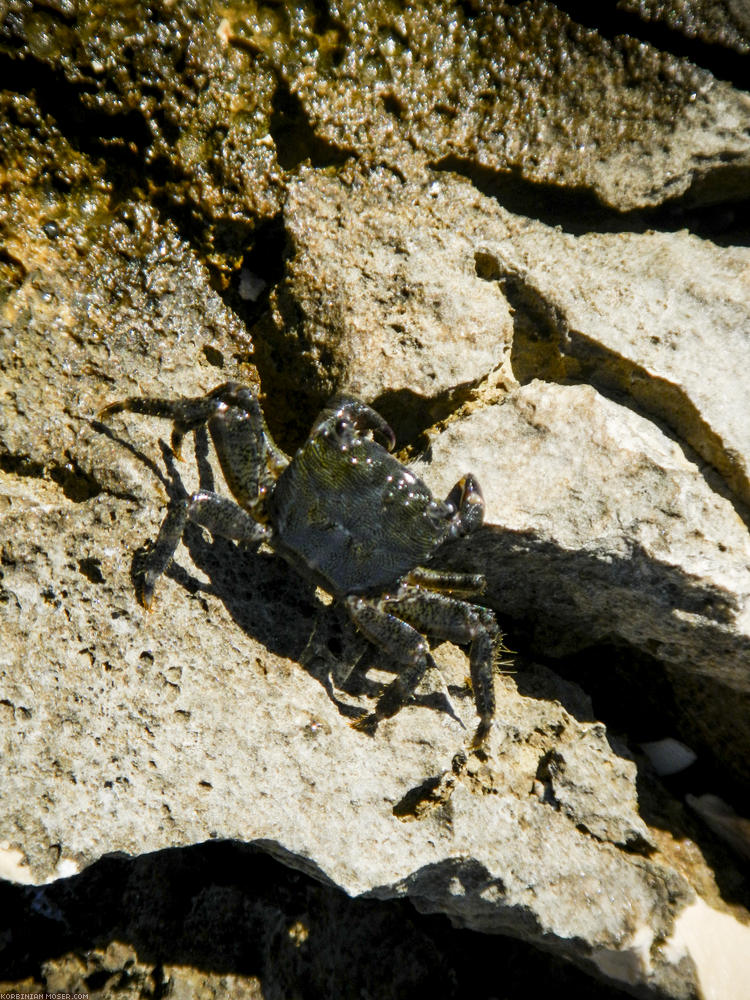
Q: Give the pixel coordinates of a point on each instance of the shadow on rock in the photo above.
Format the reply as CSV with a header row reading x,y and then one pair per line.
x,y
224,908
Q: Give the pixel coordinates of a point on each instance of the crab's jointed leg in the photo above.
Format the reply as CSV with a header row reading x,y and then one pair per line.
x,y
249,458
398,639
186,413
220,516
395,623
444,617
447,582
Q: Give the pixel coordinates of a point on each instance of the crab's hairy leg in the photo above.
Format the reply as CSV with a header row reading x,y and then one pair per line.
x,y
466,499
190,412
443,581
220,516
447,618
186,413
399,640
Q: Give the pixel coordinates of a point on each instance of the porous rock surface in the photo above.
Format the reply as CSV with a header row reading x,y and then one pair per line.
x,y
594,382
386,298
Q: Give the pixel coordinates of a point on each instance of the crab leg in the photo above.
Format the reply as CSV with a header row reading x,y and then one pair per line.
x,y
399,640
186,413
446,618
220,516
249,458
462,584
191,412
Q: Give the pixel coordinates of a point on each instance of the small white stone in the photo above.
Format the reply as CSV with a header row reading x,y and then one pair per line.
x,y
251,285
669,756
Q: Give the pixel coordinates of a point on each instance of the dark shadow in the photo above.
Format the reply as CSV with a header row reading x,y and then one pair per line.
x,y
295,139
228,908
276,606
635,693
632,685
577,210
411,415
123,137
76,484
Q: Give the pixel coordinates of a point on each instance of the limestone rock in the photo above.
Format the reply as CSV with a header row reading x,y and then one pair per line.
x,y
575,774
222,919
380,297
651,317
165,87
602,530
195,722
517,88
109,301
726,23
659,317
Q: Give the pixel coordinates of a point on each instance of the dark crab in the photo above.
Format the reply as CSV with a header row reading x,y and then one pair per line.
x,y
349,516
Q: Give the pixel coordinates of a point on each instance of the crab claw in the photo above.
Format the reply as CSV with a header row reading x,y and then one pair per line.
x,y
359,415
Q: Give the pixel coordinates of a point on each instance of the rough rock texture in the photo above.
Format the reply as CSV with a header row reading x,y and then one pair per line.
x,y
188,191
381,298
646,554
661,318
261,89
200,135
515,87
423,280
135,721
641,508
92,298
721,22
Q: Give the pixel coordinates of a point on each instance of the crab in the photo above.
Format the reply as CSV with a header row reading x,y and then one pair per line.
x,y
350,517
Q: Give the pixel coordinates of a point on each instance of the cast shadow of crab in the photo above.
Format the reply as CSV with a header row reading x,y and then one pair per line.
x,y
274,605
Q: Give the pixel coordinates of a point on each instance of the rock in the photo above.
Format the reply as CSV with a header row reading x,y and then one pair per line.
x,y
136,263
380,298
222,919
170,96
132,718
515,89
575,781
606,532
228,102
653,316
721,24
639,315
110,299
